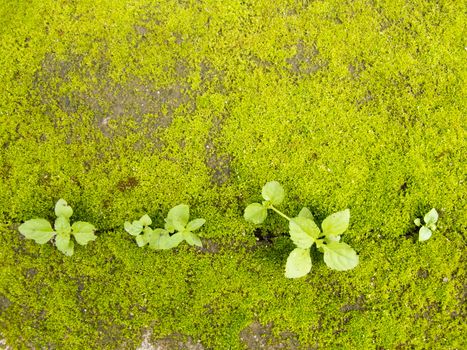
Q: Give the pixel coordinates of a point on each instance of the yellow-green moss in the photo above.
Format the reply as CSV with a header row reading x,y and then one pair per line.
x,y
131,107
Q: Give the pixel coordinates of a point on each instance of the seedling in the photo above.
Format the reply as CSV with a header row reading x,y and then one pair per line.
x,y
157,238
304,233
41,231
177,222
430,219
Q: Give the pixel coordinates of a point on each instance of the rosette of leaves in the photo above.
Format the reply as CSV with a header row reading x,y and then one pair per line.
x,y
304,233
41,231
426,230
176,222
156,238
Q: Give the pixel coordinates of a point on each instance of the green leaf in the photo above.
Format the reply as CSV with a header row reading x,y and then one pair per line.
x,y
195,224
255,213
431,217
424,234
177,218
145,220
340,256
298,263
39,230
306,213
134,228
62,225
160,239
192,239
332,238
165,242
140,241
336,224
303,232
169,227
417,222
63,209
64,244
176,239
83,232
273,192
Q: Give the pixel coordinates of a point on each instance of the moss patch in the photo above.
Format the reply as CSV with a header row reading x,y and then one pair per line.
x,y
133,107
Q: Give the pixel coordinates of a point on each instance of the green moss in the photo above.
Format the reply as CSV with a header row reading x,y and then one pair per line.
x,y
131,108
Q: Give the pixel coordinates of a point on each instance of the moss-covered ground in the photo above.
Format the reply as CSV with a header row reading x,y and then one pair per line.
x,y
131,107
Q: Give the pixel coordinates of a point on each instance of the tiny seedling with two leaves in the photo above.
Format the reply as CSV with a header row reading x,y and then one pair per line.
x,y
430,219
176,223
304,233
41,231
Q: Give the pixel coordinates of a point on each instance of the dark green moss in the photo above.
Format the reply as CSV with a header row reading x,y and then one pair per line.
x,y
133,107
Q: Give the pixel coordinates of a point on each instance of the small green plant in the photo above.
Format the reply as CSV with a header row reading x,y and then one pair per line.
x,y
41,231
176,222
430,219
304,233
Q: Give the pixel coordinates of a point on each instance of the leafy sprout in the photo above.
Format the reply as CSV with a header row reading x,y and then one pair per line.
x,y
41,231
176,223
304,233
426,230
157,238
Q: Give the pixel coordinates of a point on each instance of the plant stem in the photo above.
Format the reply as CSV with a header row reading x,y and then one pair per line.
x,y
280,213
